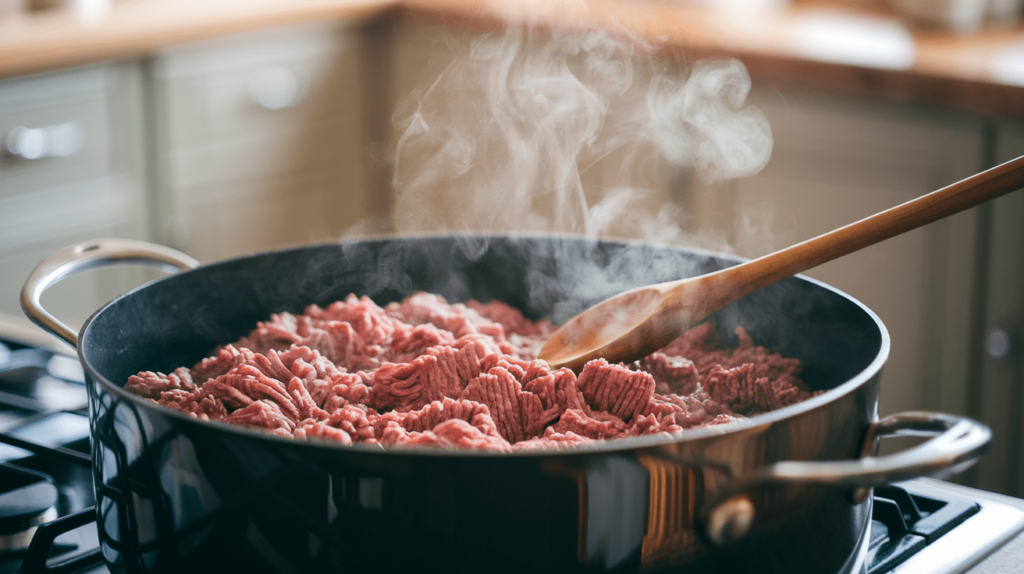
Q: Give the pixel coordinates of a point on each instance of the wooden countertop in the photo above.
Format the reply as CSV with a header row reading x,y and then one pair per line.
x,y
840,47
131,28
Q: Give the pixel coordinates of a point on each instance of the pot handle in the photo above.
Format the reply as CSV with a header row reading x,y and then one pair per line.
x,y
958,442
86,255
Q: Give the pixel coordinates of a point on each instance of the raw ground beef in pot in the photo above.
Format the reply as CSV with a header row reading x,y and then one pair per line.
x,y
424,372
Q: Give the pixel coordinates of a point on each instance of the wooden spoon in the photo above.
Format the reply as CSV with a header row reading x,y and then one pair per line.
x,y
636,323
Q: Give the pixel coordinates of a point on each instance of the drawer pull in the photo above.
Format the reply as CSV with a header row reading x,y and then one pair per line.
x,y
997,343
61,140
274,88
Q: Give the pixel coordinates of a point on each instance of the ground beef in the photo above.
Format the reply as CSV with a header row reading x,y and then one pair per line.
x,y
423,372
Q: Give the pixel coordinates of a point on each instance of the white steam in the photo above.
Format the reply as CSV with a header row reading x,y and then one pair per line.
x,y
553,131
703,121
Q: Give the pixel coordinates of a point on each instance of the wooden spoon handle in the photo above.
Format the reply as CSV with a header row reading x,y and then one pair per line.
x,y
936,205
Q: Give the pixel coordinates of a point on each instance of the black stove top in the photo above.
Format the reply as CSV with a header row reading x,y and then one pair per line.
x,y
46,496
45,475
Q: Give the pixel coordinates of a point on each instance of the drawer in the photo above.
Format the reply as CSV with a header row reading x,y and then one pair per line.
x,y
309,146
59,212
253,215
240,174
832,139
36,224
66,118
268,84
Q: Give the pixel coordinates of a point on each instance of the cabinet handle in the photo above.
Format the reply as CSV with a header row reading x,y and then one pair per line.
x,y
60,140
997,343
274,88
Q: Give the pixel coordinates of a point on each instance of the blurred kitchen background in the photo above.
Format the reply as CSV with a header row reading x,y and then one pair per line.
x,y
228,127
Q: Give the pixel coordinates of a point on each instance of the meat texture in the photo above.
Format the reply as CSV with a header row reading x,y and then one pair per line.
x,y
425,373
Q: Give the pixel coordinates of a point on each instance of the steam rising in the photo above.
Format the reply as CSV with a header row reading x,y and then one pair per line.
x,y
528,131
504,139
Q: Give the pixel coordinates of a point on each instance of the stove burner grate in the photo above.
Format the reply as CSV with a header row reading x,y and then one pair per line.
x,y
902,524
28,499
45,469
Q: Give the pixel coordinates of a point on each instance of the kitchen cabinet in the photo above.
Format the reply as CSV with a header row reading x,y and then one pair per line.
x,y
71,168
257,141
997,384
951,294
837,160
218,148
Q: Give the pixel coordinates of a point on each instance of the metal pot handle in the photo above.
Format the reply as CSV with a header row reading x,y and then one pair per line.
x,y
86,255
958,442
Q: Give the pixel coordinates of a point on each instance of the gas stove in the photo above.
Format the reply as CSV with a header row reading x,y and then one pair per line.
x,y
46,496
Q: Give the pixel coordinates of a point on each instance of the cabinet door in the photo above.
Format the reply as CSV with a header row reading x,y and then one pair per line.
x,y
71,170
998,395
258,141
836,161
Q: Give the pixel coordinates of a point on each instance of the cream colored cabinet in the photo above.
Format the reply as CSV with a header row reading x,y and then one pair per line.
x,y
838,160
951,294
997,395
71,168
257,140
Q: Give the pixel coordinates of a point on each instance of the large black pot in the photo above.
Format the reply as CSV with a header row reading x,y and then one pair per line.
x,y
780,492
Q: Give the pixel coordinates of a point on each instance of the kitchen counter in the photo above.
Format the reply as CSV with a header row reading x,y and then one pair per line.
x,y
132,28
857,49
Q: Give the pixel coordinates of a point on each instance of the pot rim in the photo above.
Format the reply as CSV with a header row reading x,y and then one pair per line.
x,y
601,446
